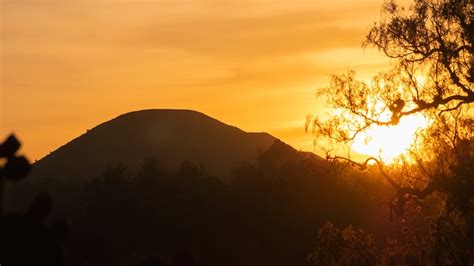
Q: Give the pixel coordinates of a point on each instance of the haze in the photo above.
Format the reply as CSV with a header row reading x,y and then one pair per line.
x,y
69,65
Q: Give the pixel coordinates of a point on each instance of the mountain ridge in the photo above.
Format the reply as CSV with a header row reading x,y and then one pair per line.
x,y
170,135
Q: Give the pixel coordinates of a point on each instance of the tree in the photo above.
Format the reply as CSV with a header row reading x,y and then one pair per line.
x,y
432,44
433,41
343,247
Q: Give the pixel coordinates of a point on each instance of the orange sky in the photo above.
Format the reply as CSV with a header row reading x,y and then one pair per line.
x,y
68,65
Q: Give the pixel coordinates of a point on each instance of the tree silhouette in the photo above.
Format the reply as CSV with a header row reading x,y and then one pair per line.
x,y
344,247
432,45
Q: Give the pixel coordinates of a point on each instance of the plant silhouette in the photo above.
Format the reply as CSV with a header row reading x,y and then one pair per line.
x,y
26,238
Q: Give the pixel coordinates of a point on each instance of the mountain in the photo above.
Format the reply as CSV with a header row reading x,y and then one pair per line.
x,y
278,195
170,136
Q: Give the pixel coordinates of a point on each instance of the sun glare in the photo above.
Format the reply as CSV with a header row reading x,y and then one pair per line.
x,y
390,142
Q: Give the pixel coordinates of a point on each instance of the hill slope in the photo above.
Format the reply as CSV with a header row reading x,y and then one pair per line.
x,y
171,136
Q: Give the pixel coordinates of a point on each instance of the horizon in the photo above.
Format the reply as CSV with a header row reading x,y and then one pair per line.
x,y
256,65
167,110
237,132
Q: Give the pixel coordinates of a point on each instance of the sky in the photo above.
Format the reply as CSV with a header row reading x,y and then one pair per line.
x,y
69,65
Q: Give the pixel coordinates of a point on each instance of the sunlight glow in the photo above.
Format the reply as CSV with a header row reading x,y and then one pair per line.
x,y
390,142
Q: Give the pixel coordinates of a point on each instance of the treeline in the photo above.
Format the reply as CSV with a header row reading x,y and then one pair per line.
x,y
268,214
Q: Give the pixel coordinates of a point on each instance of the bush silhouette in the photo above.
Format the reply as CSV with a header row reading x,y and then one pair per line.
x,y
26,239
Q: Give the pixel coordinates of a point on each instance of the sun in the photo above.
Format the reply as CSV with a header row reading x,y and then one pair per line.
x,y
389,142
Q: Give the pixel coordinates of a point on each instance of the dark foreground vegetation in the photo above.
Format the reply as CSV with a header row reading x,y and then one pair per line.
x,y
267,215
290,208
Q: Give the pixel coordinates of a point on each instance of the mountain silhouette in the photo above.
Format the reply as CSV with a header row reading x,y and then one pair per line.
x,y
257,194
170,136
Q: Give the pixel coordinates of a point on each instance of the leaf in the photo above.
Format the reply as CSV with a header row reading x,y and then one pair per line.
x,y
9,147
16,168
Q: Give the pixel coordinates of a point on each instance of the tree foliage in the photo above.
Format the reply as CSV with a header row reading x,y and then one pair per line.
x,y
344,247
431,45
